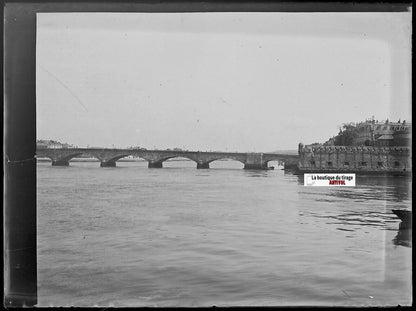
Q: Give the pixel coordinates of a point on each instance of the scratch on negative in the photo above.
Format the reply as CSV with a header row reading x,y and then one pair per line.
x,y
18,161
66,87
346,293
19,249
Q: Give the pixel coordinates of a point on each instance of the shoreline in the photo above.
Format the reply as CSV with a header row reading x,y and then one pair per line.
x,y
121,160
358,173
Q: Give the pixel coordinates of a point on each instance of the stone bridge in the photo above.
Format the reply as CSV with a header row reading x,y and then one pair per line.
x,y
155,158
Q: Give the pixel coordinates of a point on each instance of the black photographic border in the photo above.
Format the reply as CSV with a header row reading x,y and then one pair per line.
x,y
19,108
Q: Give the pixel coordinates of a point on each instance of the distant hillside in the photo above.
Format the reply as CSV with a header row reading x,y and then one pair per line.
x,y
48,143
294,152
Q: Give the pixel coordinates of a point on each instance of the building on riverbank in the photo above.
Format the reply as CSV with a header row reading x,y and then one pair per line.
x,y
374,133
368,147
51,144
355,159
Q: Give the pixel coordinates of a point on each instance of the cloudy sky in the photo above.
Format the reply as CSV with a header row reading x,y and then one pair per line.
x,y
218,81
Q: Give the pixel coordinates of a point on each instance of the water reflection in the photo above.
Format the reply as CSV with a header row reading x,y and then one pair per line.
x,y
257,173
358,218
300,179
398,187
368,204
404,234
373,187
238,238
403,237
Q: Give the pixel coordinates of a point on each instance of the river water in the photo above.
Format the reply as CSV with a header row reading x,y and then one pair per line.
x,y
178,236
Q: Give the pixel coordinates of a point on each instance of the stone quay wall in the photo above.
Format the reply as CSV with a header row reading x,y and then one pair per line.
x,y
319,158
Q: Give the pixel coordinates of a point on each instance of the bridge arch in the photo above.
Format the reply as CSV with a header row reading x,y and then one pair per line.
x,y
274,163
288,161
274,160
59,158
189,161
218,162
226,158
111,162
185,156
66,158
158,163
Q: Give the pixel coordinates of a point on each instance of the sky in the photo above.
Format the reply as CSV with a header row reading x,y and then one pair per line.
x,y
247,82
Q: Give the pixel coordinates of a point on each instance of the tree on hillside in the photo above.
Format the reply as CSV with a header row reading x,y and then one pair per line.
x,y
346,135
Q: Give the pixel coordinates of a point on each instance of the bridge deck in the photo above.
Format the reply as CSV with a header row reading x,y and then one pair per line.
x,y
109,156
